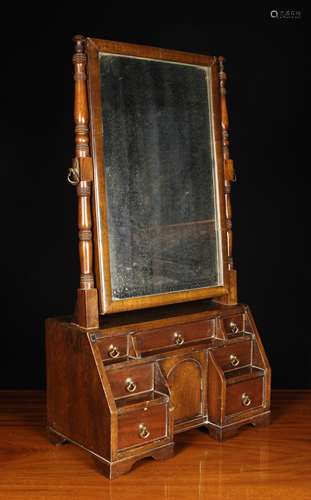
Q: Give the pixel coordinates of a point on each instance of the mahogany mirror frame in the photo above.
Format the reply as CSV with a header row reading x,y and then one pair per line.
x,y
226,292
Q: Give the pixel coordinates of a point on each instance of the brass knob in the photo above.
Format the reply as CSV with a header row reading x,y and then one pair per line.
x,y
179,339
143,431
246,399
233,327
113,351
130,385
234,360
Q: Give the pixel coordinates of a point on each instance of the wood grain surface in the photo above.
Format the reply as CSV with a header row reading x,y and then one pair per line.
x,y
272,462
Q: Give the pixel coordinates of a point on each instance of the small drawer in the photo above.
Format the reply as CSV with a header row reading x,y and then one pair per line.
x,y
244,396
233,324
233,356
173,336
131,380
141,426
113,348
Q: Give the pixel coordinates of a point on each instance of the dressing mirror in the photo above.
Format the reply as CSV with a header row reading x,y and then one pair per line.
x,y
155,130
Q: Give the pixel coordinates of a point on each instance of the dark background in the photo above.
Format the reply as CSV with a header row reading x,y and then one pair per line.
x,y
267,91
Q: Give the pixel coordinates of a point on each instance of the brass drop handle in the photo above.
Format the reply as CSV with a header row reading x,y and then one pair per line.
x,y
246,399
233,327
113,351
73,176
234,360
179,339
143,431
130,385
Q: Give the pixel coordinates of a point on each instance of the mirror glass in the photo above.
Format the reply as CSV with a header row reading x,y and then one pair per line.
x,y
160,176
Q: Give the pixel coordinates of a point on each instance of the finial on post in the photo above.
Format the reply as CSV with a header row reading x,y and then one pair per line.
x,y
79,41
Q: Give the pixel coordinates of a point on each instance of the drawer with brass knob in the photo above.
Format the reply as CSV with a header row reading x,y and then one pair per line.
x,y
171,337
130,380
244,396
234,324
114,348
145,421
234,355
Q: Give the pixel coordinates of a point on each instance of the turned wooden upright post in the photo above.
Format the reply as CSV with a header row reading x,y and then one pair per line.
x,y
81,174
231,298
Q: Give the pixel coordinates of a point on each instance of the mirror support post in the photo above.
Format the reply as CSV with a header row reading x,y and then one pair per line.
x,y
229,177
86,309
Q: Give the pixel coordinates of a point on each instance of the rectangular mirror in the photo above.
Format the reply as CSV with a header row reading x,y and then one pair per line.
x,y
158,184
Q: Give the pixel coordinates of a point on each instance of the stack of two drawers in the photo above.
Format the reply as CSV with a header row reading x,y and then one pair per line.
x,y
143,413
236,377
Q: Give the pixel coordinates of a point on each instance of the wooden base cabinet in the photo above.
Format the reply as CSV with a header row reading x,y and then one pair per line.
x,y
122,391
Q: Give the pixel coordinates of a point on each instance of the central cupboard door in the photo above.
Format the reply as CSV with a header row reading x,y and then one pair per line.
x,y
186,379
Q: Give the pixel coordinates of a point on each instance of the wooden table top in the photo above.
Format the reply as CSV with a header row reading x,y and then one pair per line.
x,y
267,463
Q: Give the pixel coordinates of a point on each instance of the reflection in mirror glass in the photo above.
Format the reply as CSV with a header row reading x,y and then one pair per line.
x,y
160,177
